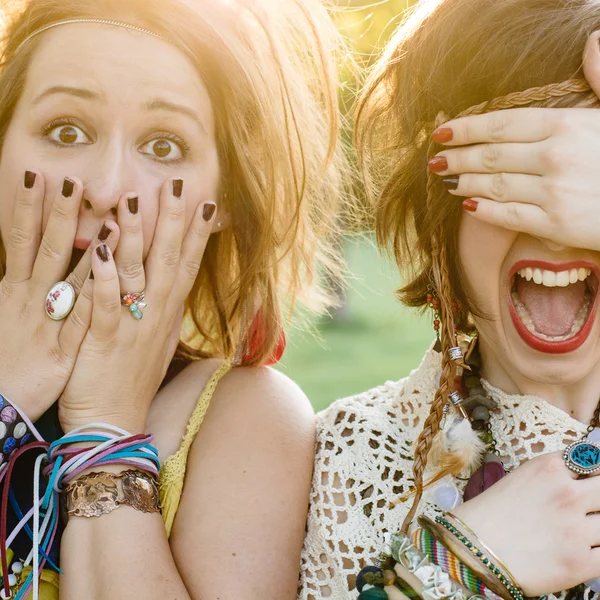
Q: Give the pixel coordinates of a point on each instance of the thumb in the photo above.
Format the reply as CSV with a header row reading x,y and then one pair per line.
x,y
591,61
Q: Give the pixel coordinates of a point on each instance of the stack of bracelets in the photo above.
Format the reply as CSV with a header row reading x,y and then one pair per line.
x,y
445,560
60,465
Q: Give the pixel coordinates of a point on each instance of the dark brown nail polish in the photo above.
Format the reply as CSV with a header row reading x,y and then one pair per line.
x,y
102,252
451,183
470,205
68,187
208,211
443,135
177,188
29,179
438,164
104,233
133,205
92,275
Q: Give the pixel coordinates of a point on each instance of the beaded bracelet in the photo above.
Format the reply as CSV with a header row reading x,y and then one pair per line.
x,y
426,543
16,430
513,589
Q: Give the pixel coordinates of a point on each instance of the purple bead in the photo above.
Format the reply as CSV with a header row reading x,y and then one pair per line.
x,y
484,478
594,584
594,436
9,445
8,415
26,439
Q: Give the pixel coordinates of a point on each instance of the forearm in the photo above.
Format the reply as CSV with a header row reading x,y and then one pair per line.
x,y
124,554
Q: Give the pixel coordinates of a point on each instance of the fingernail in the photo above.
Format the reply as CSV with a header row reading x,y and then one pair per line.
x,y
68,187
104,233
92,275
208,211
132,205
29,179
443,135
438,164
451,183
102,252
470,205
177,187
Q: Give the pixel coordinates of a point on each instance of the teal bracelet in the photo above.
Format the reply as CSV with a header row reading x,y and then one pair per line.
x,y
511,587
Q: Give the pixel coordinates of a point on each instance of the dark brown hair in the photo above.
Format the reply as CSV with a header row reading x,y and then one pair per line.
x,y
451,58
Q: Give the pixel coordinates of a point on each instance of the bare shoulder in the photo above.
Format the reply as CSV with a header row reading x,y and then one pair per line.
x,y
246,492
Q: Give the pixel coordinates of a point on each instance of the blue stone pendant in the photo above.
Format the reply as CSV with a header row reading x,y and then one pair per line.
x,y
582,457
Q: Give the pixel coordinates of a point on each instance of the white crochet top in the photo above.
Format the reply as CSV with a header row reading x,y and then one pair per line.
x,y
364,460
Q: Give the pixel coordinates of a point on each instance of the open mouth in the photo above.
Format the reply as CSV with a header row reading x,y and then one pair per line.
x,y
553,306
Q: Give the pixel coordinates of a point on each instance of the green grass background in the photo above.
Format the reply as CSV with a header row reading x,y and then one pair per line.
x,y
381,340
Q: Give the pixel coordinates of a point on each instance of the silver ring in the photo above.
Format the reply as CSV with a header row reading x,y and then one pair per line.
x,y
135,302
60,301
582,457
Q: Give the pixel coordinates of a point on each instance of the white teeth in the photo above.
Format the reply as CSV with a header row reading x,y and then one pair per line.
x,y
553,278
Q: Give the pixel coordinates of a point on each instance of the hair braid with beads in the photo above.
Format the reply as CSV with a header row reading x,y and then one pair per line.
x,y
441,279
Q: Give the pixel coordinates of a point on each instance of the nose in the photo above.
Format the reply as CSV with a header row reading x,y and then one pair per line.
x,y
105,182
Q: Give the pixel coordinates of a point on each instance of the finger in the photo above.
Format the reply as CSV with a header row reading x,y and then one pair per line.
x,y
512,125
57,241
164,256
107,234
193,249
26,228
129,255
106,314
78,322
502,187
591,61
490,158
514,216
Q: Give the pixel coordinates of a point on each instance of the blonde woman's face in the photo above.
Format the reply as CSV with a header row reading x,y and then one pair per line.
x,y
540,301
122,111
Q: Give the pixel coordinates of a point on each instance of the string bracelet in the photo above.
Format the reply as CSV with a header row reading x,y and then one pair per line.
x,y
426,543
474,547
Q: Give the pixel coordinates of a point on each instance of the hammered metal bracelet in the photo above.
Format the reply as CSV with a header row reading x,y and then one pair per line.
x,y
98,494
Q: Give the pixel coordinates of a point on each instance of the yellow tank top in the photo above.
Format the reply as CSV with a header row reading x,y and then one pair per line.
x,y
171,477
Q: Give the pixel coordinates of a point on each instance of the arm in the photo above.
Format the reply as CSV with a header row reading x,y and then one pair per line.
x,y
240,525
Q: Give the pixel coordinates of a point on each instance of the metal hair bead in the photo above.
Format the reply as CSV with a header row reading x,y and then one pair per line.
x,y
455,398
456,353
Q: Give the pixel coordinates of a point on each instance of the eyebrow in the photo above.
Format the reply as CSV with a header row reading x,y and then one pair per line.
x,y
72,91
160,104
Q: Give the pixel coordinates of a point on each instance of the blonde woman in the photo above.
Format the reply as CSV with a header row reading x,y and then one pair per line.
x,y
475,475
174,168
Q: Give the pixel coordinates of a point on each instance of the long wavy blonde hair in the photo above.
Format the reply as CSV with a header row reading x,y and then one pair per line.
x,y
270,69
452,58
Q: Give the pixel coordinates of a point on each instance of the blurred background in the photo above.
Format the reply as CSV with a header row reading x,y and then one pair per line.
x,y
372,338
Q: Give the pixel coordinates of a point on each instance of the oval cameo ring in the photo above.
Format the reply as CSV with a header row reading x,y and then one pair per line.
x,y
582,457
60,301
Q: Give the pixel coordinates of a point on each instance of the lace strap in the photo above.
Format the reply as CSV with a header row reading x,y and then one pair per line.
x,y
172,472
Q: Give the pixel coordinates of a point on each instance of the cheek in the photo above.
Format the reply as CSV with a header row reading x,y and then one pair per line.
x,y
483,249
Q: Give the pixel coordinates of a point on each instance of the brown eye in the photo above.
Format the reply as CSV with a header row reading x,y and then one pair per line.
x,y
162,148
68,135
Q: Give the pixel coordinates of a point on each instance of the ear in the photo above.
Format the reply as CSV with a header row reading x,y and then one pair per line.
x,y
222,220
591,61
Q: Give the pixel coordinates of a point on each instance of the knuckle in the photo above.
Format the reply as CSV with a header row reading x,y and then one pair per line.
x,y
496,125
20,238
170,258
489,156
498,186
554,158
77,320
132,270
61,211
76,280
190,269
512,217
87,293
48,252
175,213
131,229
111,306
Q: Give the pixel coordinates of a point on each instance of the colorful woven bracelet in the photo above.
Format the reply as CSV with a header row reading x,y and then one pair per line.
x,y
426,543
16,430
512,588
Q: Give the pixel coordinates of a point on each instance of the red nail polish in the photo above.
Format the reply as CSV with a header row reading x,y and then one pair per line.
x,y
438,164
443,135
470,205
